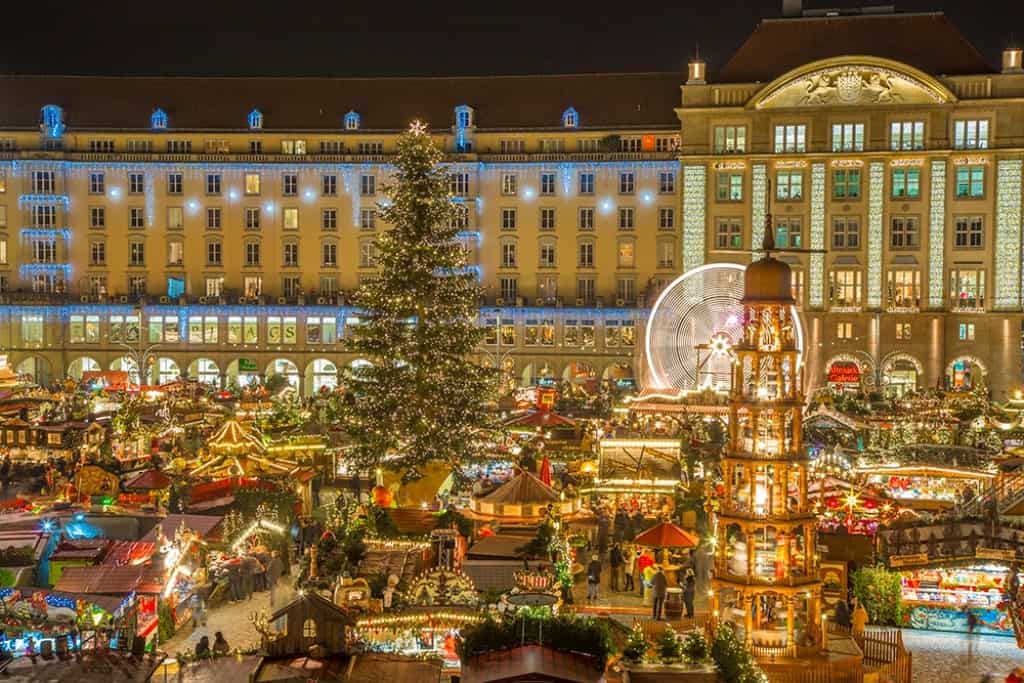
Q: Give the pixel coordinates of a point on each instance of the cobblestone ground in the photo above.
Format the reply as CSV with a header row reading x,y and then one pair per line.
x,y
945,656
232,620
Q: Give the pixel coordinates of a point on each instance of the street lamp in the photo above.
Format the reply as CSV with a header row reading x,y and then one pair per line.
x,y
141,356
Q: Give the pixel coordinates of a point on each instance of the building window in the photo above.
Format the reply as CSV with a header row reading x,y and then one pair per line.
x,y
547,219
967,289
906,135
904,290
846,232
458,184
321,330
906,183
790,138
175,253
509,183
136,217
84,329
252,183
255,147
629,144
370,148
845,288
252,218
97,183
97,217
214,286
586,290
625,290
329,185
586,218
539,333
44,250
213,218
509,218
509,288
585,253
970,182
965,331
367,219
626,216
255,119
579,332
140,146
730,187
293,146
512,146
329,219
252,253
547,184
789,233
847,137
970,134
44,216
367,254
906,232
367,185
290,254
570,119
728,234
289,184
213,181
666,254
32,328
730,139
902,331
459,219
846,183
179,146
547,253
789,185
352,121
136,183
290,218
97,253
547,288
627,182
666,182
969,232
329,254
627,254
214,253
666,218
844,331
796,281
175,217
174,183
43,182
586,183
508,254
136,253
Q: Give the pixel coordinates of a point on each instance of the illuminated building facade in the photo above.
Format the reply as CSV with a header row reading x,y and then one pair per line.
x,y
227,219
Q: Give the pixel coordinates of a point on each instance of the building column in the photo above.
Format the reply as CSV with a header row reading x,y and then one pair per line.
x,y
748,637
790,625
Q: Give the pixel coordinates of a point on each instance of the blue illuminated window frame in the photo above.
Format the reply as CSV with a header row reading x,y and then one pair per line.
x,y
52,117
255,119
158,119
570,118
352,121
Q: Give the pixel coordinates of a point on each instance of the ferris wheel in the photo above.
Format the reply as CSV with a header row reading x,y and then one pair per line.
x,y
692,327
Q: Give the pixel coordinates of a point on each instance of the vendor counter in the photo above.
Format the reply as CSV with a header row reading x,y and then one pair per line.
x,y
941,599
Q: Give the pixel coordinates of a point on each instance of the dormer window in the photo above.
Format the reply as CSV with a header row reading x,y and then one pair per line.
x,y
158,119
52,121
463,116
255,119
570,119
352,121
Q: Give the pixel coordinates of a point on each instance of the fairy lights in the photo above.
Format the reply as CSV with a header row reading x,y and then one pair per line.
x,y
876,199
694,211
937,234
1008,234
817,274
758,203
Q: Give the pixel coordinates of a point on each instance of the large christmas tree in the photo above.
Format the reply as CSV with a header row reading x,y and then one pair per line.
x,y
422,398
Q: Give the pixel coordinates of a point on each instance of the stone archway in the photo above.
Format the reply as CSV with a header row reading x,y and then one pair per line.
x,y
901,373
966,372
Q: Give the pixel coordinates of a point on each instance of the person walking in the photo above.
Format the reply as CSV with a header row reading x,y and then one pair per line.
x,y
615,560
275,568
659,586
689,593
593,577
630,556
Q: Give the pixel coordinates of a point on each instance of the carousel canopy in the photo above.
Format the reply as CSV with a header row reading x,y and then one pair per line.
x,y
233,438
667,535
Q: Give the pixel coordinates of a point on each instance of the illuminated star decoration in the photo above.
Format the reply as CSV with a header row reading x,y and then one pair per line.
x,y
417,127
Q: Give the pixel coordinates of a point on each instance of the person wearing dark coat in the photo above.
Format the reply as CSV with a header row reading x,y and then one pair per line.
x,y
621,522
842,616
659,587
638,522
203,647
689,593
615,560
593,577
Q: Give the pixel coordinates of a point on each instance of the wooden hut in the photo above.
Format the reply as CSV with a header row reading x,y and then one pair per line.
x,y
308,620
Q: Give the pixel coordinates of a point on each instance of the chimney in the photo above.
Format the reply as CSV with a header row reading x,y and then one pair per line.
x,y
792,8
696,72
1012,60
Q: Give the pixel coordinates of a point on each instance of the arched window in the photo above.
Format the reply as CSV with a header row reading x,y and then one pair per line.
x,y
309,628
352,121
255,119
52,121
158,119
570,119
463,116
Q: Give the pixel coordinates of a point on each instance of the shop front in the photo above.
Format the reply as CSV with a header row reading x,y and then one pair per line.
x,y
844,376
925,487
942,598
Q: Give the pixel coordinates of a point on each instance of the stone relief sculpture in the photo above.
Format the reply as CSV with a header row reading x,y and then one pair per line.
x,y
850,87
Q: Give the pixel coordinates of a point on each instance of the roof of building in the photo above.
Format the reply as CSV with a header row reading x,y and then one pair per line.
x,y
201,524
147,480
375,667
524,488
84,549
531,662
106,580
129,552
126,102
315,601
928,41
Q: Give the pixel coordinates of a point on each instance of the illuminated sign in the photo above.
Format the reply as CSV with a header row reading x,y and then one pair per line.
x,y
246,365
647,143
904,560
844,373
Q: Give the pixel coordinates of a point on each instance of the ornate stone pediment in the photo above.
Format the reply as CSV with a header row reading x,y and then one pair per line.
x,y
850,81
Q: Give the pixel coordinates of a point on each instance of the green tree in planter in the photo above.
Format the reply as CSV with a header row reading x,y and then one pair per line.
x,y
669,646
636,646
734,662
880,593
695,647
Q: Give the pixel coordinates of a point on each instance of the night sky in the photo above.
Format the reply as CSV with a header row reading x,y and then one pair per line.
x,y
377,38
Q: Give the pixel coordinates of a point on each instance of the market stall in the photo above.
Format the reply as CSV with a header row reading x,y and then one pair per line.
x,y
940,598
639,475
927,487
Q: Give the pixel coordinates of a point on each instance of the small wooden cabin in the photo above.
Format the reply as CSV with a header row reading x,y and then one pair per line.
x,y
310,619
